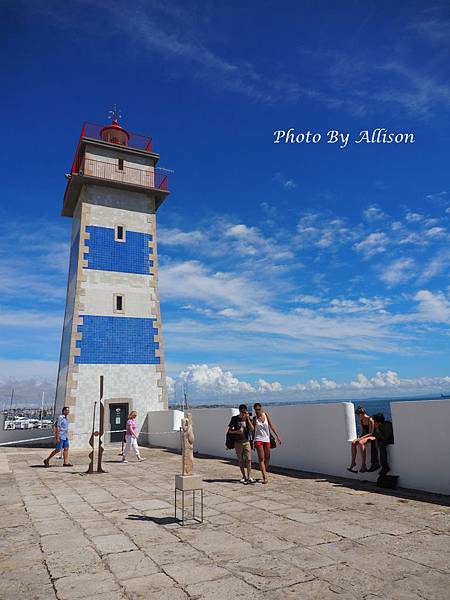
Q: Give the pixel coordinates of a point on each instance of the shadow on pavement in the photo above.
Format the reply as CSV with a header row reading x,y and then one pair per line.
x,y
157,520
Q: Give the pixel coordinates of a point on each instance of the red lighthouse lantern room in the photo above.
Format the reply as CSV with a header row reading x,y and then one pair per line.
x,y
114,133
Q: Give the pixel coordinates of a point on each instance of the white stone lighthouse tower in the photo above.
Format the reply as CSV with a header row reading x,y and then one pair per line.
x,y
112,324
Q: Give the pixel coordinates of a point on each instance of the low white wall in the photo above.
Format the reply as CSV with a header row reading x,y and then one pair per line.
x,y
22,435
421,453
162,428
210,427
316,438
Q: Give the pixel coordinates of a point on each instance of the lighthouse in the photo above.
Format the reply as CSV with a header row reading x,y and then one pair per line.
x,y
112,324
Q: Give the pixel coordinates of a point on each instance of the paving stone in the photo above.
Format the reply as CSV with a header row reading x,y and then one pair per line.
x,y
108,544
219,545
52,526
312,590
126,565
228,588
80,586
268,572
308,535
60,543
72,561
158,586
178,552
350,578
150,504
194,571
425,548
432,586
308,558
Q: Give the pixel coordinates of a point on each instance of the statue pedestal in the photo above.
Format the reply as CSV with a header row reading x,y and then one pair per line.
x,y
188,484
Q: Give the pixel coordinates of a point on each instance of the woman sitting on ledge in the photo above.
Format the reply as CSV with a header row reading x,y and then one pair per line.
x,y
367,427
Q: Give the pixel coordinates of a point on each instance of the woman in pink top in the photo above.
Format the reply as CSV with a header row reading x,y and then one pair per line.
x,y
131,436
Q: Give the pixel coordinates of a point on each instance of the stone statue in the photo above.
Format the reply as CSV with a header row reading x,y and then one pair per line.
x,y
187,444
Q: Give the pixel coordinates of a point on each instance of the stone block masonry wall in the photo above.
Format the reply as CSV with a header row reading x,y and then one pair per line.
x,y
124,346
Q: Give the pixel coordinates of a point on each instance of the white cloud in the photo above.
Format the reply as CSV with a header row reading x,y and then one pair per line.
x,y
324,232
398,271
413,217
206,383
435,232
361,305
374,243
286,183
264,386
177,237
212,381
373,213
307,299
191,280
433,307
438,264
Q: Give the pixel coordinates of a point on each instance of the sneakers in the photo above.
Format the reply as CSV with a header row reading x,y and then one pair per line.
x,y
363,469
251,481
140,459
374,468
243,480
67,465
124,460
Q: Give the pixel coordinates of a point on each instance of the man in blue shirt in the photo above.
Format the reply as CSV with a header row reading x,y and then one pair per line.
x,y
61,438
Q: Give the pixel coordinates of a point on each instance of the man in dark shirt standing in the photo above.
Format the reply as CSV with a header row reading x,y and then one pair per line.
x,y
241,428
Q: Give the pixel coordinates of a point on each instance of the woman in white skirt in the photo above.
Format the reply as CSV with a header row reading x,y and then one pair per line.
x,y
131,436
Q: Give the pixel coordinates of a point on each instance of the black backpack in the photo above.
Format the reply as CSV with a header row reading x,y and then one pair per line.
x,y
229,441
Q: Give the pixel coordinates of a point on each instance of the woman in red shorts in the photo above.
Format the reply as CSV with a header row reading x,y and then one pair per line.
x,y
262,427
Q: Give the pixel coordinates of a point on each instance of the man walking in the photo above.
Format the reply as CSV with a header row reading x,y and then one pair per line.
x,y
61,438
241,427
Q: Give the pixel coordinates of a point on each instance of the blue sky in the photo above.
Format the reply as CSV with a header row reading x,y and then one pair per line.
x,y
297,271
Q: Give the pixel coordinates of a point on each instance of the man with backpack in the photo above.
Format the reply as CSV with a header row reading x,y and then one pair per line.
x,y
240,430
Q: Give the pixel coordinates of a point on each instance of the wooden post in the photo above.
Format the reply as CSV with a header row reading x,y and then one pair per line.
x,y
101,429
92,442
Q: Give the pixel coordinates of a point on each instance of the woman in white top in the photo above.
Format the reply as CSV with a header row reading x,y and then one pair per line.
x,y
263,426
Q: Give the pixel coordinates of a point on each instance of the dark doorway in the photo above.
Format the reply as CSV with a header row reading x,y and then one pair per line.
x,y
118,414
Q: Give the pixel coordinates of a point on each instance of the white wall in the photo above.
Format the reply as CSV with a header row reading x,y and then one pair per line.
x,y
421,453
317,437
162,428
210,427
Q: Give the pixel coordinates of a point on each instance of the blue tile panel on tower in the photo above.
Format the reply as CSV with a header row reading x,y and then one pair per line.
x,y
117,340
107,254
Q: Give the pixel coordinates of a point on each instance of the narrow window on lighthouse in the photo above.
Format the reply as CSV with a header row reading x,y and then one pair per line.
x,y
120,233
120,164
118,303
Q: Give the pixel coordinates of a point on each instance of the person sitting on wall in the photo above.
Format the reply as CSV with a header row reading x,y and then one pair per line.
x,y
367,428
241,427
384,435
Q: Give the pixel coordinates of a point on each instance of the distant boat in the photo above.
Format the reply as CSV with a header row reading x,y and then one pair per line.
x,y
445,396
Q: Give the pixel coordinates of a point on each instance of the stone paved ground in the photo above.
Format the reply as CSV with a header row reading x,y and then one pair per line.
x,y
68,535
